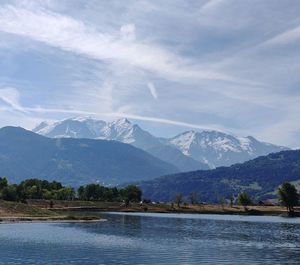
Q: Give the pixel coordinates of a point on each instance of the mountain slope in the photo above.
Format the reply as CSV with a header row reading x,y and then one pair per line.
x,y
260,177
187,151
220,149
123,131
71,128
24,154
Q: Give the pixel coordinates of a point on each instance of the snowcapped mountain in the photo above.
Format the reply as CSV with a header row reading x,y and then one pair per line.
x,y
188,151
220,149
81,127
121,130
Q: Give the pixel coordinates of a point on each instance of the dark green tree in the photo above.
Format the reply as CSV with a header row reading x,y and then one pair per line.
x,y
133,193
81,193
66,193
3,183
193,197
288,196
231,201
244,199
9,193
179,199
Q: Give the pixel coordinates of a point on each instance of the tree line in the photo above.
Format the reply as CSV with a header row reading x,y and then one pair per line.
x,y
43,189
287,197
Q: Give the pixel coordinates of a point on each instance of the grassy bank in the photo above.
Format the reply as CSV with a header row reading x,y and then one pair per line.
x,y
20,212
39,210
62,206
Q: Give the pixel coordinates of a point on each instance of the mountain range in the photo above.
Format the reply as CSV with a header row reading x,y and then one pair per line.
x,y
259,177
188,151
112,157
25,154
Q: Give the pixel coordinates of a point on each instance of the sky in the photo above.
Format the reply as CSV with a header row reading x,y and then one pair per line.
x,y
169,66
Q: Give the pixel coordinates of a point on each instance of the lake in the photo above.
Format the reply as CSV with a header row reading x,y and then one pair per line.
x,y
154,239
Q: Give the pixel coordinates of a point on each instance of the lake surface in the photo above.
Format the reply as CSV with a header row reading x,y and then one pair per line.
x,y
154,239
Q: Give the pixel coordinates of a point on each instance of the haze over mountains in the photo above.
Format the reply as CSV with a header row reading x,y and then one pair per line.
x,y
188,151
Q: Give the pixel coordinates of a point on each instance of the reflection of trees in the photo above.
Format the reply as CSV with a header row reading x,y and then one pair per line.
x,y
130,222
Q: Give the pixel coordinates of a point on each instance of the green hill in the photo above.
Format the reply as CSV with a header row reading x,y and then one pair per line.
x,y
24,154
259,177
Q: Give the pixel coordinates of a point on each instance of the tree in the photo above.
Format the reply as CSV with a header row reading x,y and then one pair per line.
x,y
244,199
9,193
231,201
179,199
81,193
93,192
133,193
288,196
66,193
3,183
193,197
222,201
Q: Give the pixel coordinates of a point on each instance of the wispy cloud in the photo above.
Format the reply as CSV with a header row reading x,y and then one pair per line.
x,y
10,96
211,4
224,65
152,90
69,34
286,37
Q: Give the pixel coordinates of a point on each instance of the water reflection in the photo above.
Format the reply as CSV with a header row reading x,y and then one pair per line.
x,y
152,239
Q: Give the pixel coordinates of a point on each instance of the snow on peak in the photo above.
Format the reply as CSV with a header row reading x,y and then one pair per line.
x,y
184,141
41,126
122,123
205,139
211,147
120,130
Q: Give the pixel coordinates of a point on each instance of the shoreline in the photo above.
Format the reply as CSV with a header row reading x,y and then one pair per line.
x,y
28,219
82,211
189,209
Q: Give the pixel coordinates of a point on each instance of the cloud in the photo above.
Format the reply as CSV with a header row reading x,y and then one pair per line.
x,y
210,4
152,90
286,37
68,34
223,64
170,122
128,32
10,96
130,116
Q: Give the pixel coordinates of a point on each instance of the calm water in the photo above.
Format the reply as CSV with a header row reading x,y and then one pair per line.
x,y
154,239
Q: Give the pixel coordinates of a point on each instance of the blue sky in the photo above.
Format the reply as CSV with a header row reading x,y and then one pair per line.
x,y
169,65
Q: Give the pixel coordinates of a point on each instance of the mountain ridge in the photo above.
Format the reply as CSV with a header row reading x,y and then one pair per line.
x,y
25,154
121,130
221,149
190,150
259,177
